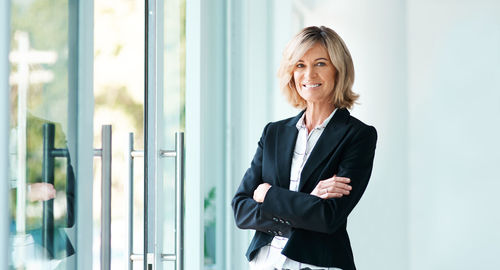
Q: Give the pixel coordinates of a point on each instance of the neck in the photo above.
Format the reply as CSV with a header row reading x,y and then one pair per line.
x,y
315,115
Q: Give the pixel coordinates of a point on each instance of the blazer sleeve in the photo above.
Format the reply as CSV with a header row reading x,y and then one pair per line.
x,y
305,211
247,212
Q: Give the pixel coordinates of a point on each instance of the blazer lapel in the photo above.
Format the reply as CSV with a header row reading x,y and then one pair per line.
x,y
285,141
328,141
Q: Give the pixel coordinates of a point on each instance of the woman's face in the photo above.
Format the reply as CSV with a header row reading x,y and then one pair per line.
x,y
314,75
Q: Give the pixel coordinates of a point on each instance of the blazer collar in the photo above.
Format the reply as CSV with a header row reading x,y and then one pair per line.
x,y
285,140
292,122
287,136
327,143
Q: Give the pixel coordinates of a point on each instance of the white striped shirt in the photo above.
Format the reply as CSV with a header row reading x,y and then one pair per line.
x,y
269,256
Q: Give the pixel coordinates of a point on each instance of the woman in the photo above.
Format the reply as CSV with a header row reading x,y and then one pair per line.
x,y
310,170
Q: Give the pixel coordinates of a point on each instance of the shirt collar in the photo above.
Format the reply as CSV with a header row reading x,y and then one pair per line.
x,y
301,124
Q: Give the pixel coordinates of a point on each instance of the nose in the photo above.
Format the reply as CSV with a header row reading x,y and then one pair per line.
x,y
310,73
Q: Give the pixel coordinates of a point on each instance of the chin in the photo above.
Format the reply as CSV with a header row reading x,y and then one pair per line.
x,y
312,98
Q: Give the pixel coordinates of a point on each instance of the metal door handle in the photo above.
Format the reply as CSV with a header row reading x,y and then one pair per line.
x,y
105,154
132,153
178,153
48,165
179,213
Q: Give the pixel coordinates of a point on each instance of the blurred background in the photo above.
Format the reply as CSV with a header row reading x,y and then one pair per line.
x,y
428,73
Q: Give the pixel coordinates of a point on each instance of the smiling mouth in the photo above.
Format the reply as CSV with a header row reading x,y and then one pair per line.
x,y
311,85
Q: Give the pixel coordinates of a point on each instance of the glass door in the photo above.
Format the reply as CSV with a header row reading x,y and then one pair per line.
x,y
47,134
165,126
52,140
163,154
153,184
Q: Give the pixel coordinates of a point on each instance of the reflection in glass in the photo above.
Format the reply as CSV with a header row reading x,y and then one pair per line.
x,y
42,179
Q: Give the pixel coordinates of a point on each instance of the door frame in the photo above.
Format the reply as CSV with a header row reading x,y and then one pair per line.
x,y
4,136
194,240
84,162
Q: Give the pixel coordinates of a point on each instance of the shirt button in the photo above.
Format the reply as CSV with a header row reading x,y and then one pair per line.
x,y
282,221
275,219
280,233
287,222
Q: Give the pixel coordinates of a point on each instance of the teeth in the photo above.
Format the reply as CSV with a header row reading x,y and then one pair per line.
x,y
311,85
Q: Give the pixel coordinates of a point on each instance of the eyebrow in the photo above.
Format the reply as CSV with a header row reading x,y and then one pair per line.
x,y
321,58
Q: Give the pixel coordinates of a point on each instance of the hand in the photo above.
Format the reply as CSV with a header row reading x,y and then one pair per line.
x,y
260,192
334,187
41,192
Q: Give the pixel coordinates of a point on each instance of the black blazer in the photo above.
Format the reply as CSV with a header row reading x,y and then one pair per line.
x,y
316,228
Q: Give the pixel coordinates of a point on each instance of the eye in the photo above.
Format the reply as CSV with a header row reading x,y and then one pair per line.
x,y
300,65
321,64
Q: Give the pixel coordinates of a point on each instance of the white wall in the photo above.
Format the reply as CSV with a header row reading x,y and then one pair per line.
x,y
454,102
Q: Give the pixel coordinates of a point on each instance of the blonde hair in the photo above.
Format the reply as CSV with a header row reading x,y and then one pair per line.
x,y
343,96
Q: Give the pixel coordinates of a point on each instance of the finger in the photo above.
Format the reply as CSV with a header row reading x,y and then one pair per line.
x,y
338,190
52,193
337,185
337,179
341,179
331,195
342,186
343,191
